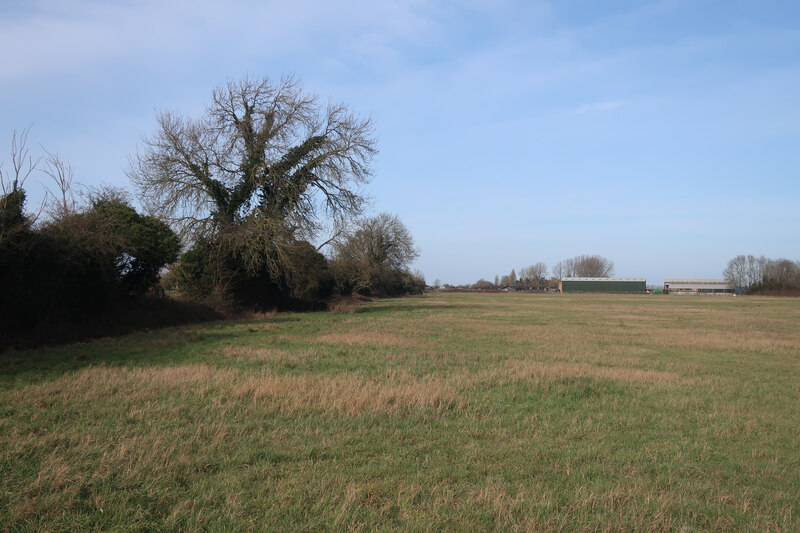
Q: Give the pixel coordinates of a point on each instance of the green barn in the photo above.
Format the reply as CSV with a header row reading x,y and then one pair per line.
x,y
617,285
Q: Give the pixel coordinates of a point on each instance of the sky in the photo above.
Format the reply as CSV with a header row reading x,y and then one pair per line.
x,y
662,135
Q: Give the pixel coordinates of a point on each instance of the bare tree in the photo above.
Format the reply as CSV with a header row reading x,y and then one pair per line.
x,y
736,271
534,274
263,155
13,219
61,175
380,240
373,251
263,170
593,266
585,266
781,273
745,271
755,269
560,270
22,163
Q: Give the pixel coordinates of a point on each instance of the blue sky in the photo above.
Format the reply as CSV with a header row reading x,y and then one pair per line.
x,y
662,135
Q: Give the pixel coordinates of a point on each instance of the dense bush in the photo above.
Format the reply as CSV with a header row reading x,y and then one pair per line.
x,y
142,244
213,273
372,259
79,264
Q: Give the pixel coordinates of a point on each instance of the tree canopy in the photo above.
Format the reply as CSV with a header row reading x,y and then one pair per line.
x,y
262,151
374,256
585,266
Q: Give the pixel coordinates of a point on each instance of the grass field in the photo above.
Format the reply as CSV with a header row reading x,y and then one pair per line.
x,y
445,412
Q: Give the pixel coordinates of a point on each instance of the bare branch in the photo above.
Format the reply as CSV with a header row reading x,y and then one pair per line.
x,y
260,146
22,163
61,174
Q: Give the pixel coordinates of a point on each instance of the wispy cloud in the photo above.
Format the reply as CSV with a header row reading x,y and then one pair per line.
x,y
596,107
50,39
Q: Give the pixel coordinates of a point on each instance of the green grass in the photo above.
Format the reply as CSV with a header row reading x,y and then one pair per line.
x,y
447,412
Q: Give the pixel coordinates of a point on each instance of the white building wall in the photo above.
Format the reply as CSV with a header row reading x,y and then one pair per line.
x,y
699,285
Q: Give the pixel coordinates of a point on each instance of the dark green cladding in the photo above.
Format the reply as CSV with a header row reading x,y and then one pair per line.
x,y
604,286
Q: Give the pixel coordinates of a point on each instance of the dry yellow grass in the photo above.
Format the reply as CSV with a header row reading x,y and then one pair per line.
x,y
351,395
395,392
124,384
724,340
496,496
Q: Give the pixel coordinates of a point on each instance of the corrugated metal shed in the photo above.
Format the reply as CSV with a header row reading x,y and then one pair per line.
x,y
617,285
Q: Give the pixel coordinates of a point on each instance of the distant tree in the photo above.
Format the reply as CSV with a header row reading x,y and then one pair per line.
x,y
560,270
780,274
736,272
593,266
496,281
755,271
482,284
585,266
381,240
745,271
413,282
374,256
749,273
534,275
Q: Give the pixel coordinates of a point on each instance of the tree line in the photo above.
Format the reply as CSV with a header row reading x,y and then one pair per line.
x,y
752,274
535,276
257,204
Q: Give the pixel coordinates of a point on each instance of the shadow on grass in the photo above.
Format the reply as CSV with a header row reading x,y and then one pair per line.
x,y
165,346
158,332
152,337
143,316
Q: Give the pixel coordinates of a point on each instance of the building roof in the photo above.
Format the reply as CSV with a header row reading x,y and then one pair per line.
x,y
604,279
687,281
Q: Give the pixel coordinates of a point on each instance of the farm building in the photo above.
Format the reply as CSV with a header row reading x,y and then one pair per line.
x,y
624,285
698,286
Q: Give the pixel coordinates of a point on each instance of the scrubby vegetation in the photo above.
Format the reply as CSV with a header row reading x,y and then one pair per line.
x,y
79,265
242,192
250,184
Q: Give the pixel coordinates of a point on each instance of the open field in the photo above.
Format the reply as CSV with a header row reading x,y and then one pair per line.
x,y
446,412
